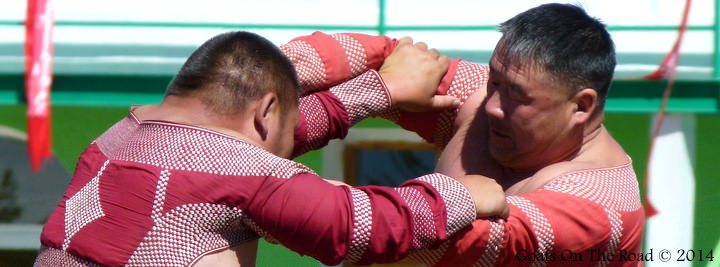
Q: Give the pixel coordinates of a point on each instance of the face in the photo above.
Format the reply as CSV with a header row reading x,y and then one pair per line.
x,y
530,118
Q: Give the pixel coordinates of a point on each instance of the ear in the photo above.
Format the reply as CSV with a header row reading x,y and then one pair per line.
x,y
584,104
266,106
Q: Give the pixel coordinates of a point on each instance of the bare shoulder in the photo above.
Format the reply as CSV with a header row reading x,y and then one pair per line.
x,y
471,108
548,174
560,169
602,152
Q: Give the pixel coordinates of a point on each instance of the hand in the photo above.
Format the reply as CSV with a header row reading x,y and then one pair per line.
x,y
412,74
487,194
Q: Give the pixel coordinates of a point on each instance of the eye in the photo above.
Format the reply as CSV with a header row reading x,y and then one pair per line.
x,y
518,96
493,86
515,94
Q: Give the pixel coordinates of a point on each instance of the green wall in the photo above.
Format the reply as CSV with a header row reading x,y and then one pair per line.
x,y
706,234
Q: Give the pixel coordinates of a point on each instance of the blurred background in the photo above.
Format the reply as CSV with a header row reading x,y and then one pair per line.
x,y
109,55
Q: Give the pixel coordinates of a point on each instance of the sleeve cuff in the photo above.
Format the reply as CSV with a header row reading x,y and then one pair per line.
x,y
458,201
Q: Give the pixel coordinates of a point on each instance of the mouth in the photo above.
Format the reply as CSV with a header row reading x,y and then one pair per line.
x,y
497,133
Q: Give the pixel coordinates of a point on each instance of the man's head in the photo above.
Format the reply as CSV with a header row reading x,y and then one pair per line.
x,y
549,77
237,73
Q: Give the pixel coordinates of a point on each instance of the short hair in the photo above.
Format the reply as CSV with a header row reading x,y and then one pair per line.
x,y
231,69
564,41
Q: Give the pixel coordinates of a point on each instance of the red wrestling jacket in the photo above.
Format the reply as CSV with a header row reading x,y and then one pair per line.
x,y
156,193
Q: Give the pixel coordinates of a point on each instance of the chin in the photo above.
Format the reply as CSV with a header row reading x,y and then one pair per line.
x,y
284,154
503,159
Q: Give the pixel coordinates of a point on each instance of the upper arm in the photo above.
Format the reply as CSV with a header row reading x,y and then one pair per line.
x,y
467,151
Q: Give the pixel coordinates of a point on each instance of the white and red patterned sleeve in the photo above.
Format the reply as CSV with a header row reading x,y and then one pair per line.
x,y
363,225
345,63
592,226
327,115
462,79
323,60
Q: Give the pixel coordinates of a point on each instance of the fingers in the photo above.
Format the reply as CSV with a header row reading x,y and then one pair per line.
x,y
412,73
434,53
422,46
488,196
445,61
405,41
440,102
506,212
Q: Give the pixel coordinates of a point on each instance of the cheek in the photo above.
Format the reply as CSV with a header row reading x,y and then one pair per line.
x,y
531,126
290,139
289,135
543,127
524,118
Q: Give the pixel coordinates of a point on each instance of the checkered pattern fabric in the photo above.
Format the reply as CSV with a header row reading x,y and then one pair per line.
x,y
324,60
605,218
170,193
611,217
139,184
372,99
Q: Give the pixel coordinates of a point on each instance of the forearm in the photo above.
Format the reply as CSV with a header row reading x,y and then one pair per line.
x,y
324,60
437,127
537,225
319,68
327,115
364,224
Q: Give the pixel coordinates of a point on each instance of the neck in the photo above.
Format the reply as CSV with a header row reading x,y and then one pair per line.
x,y
191,111
590,137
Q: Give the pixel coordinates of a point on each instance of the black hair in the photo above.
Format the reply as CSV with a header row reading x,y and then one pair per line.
x,y
231,69
565,42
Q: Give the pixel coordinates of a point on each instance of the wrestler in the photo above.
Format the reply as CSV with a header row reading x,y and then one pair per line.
x,y
572,191
198,178
532,120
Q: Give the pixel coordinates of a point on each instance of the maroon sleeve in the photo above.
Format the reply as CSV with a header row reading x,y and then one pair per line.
x,y
362,225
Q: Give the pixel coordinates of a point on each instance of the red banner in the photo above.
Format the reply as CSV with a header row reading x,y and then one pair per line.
x,y
38,77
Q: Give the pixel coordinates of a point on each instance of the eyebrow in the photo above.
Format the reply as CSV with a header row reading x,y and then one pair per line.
x,y
513,86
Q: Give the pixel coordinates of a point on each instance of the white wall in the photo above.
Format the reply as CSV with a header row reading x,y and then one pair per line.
x,y
351,12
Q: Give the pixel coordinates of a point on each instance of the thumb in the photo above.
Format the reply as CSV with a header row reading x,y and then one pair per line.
x,y
444,102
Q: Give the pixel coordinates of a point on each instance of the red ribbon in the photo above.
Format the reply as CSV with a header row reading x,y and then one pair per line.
x,y
665,71
38,77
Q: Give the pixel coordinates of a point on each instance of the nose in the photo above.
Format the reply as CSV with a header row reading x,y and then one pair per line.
x,y
493,108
